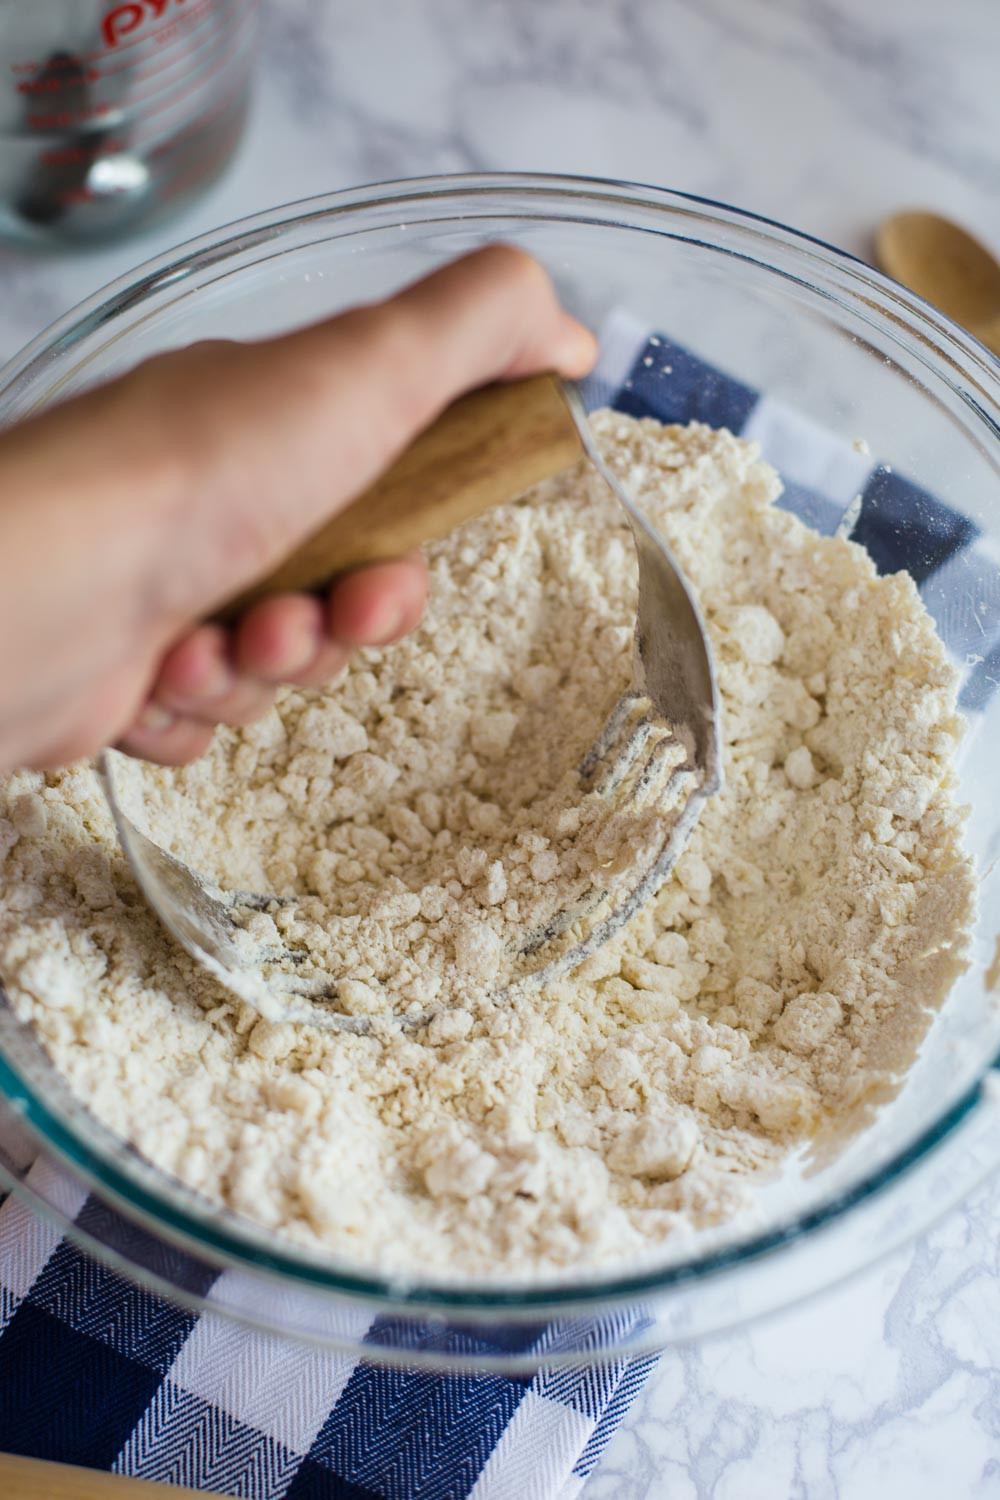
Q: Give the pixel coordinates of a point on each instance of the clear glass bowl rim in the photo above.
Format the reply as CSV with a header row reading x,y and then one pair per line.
x,y
947,350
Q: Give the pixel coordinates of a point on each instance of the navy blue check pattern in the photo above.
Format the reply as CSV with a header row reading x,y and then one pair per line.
x,y
900,524
96,1371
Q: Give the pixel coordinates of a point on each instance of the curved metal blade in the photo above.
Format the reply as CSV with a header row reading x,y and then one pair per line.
x,y
671,640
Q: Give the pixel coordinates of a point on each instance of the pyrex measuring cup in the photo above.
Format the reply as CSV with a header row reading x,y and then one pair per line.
x,y
112,115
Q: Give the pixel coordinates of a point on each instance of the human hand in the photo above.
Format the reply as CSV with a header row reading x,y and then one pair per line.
x,y
129,514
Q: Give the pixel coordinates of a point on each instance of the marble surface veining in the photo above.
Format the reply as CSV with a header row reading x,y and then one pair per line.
x,y
825,114
887,1388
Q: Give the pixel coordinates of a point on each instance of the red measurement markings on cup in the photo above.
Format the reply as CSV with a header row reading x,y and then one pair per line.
x,y
125,19
221,124
203,19
206,51
58,72
164,57
200,41
154,109
29,70
171,24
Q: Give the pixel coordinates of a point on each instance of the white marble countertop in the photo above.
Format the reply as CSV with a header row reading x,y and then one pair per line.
x,y
825,114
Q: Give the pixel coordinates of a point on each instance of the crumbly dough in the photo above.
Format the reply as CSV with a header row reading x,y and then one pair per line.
x,y
427,825
774,991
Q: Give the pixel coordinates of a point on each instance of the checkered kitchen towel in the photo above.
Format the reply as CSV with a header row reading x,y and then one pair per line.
x,y
95,1371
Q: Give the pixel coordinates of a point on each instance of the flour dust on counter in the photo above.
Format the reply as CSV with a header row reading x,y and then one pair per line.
x,y
774,992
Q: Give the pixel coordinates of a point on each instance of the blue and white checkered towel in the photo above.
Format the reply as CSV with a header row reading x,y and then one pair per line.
x,y
95,1371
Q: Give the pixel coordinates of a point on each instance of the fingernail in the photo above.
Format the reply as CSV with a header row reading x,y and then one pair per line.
x,y
388,624
578,350
298,661
155,719
219,680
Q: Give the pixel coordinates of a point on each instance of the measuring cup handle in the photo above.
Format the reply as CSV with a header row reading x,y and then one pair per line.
x,y
484,449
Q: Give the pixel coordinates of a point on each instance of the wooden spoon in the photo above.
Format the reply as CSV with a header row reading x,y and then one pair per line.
x,y
941,262
37,1479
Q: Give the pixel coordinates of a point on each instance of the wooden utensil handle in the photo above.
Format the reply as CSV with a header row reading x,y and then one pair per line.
x,y
989,334
484,449
37,1479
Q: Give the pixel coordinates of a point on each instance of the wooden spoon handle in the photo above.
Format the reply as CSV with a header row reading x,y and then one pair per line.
x,y
484,449
988,333
37,1479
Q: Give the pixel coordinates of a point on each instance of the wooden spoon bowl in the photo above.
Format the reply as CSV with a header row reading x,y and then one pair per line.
x,y
943,263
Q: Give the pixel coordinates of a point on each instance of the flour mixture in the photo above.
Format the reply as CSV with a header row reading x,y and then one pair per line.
x,y
777,987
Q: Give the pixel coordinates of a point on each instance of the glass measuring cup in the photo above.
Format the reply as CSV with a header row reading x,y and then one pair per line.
x,y
112,115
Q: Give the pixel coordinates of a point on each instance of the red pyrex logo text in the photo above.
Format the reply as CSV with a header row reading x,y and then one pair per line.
x,y
124,19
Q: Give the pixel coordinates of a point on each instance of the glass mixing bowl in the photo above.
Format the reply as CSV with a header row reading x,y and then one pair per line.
x,y
785,314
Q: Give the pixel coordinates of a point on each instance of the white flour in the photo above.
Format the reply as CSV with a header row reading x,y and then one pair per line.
x,y
428,819
777,987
